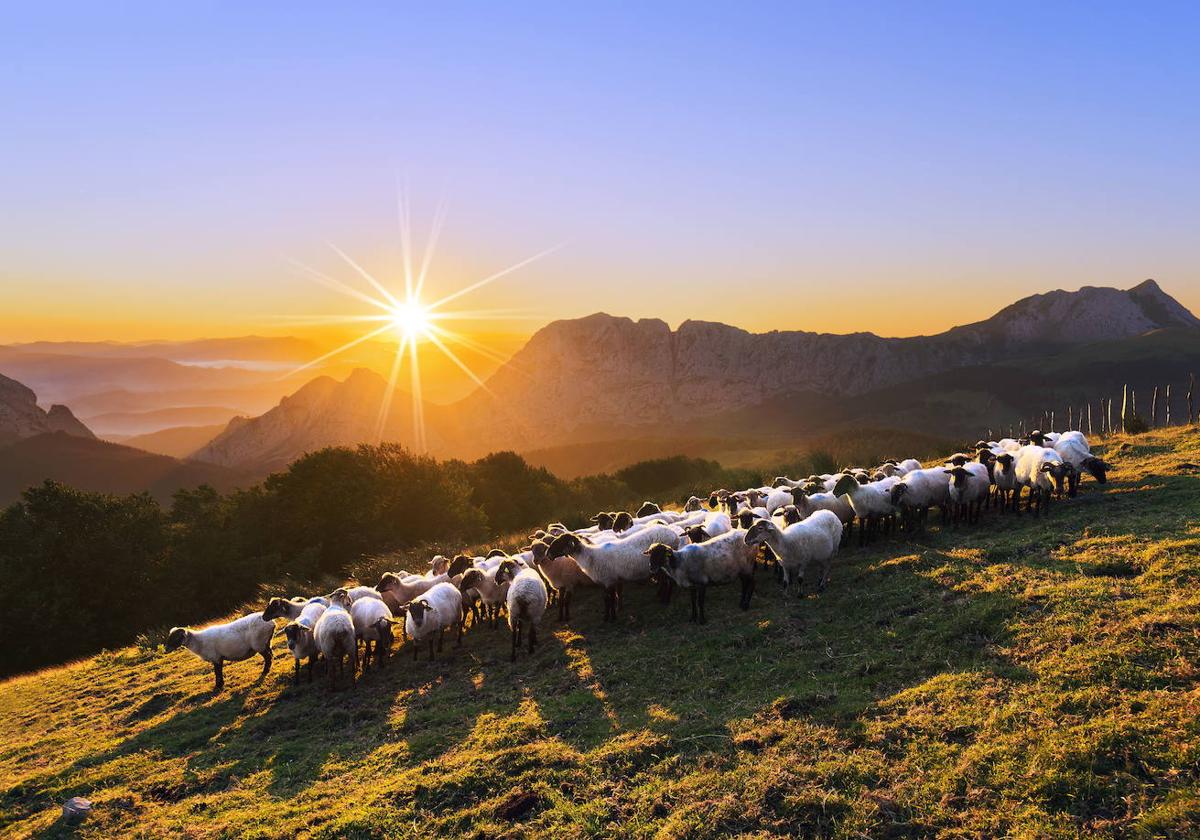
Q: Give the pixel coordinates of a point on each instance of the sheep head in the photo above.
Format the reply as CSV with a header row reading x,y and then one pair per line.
x,y
1098,468
648,508
622,522
439,564
340,597
791,515
604,521
564,545
757,533
897,493
276,608
845,484
387,582
661,556
470,579
460,564
958,476
1005,460
695,533
496,552
506,572
693,504
177,637
781,481
417,610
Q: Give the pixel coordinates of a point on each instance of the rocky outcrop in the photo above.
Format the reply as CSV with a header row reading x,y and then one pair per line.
x,y
21,417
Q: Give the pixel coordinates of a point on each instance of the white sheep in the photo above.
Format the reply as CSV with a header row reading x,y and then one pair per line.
x,y
918,491
289,608
372,623
487,586
969,488
697,566
299,634
232,642
334,635
428,616
1004,475
812,540
526,600
612,563
1042,471
1074,449
871,502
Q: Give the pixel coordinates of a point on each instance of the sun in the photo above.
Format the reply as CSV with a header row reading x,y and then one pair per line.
x,y
411,320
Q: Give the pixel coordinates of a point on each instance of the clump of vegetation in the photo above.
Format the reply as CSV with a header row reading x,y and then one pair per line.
x,y
1135,424
1029,677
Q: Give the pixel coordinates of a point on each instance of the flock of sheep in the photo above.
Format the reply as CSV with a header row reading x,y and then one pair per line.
x,y
795,525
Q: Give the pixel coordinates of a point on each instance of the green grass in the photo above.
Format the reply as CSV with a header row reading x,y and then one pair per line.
x,y
1030,677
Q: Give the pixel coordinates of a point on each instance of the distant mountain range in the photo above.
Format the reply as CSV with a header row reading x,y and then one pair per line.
x,y
604,378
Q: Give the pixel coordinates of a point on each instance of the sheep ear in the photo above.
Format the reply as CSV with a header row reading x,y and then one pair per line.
x,y
948,472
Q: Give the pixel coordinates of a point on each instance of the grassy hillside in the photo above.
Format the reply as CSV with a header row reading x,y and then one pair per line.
x,y
1028,677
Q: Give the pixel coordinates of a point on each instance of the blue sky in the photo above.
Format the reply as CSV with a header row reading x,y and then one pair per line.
x,y
892,167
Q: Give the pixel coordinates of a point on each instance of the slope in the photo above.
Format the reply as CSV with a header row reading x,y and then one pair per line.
x,y
1036,677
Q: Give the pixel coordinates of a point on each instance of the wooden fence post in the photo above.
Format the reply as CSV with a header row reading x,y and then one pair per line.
x,y
1089,418
1191,387
1167,400
1124,407
1070,419
1154,408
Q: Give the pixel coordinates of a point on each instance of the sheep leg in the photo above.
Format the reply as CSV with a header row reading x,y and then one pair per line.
x,y
354,667
312,665
532,636
432,656
296,674
416,647
562,608
458,636
567,595
267,658
516,638
692,592
703,591
441,638
219,673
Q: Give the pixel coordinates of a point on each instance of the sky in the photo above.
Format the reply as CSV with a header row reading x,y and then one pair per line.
x,y
897,168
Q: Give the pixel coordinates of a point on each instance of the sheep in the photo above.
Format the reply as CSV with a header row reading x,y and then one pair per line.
x,y
622,522
486,584
526,601
372,623
693,504
1074,449
648,508
969,487
785,482
715,561
403,590
611,564
908,465
357,592
604,521
440,607
564,575
232,642
871,502
299,634
334,634
812,540
1004,475
917,492
1042,471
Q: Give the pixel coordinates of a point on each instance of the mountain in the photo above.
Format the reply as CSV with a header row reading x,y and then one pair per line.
x,y
20,416
325,412
130,423
177,441
582,390
603,377
90,464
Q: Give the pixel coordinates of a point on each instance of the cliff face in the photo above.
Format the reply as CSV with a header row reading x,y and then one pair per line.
x,y
581,377
20,416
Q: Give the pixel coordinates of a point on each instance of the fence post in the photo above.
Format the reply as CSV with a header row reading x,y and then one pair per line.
x,y
1191,387
1070,419
1089,418
1110,420
1124,407
1154,408
1167,399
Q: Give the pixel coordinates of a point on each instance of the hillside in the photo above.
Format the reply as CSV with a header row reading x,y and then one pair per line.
x,y
177,441
90,464
22,417
1031,677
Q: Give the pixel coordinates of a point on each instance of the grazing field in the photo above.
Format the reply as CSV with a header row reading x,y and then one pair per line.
x,y
1028,677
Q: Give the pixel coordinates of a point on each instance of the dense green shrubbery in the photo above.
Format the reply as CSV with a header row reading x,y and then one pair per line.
x,y
97,569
